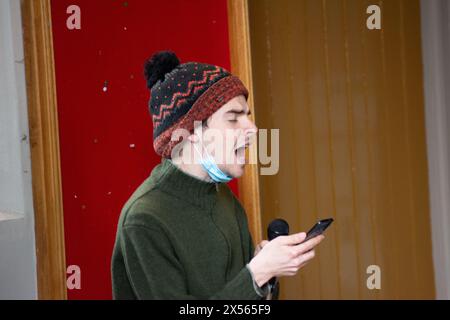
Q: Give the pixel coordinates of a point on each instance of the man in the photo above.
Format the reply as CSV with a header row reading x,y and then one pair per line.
x,y
183,234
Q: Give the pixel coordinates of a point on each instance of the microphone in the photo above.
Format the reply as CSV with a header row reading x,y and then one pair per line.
x,y
276,228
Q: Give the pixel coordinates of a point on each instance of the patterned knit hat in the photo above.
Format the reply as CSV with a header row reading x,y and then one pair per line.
x,y
183,93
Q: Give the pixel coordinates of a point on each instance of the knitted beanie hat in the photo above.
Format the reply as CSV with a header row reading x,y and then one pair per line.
x,y
183,93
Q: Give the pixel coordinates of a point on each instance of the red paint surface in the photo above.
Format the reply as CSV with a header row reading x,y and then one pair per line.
x,y
106,137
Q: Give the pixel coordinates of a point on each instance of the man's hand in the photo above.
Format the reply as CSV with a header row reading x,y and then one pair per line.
x,y
260,246
282,256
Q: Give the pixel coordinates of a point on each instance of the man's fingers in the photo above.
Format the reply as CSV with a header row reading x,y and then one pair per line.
x,y
259,246
308,245
308,256
263,243
292,239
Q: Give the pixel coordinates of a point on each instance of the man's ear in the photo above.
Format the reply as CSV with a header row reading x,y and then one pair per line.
x,y
199,126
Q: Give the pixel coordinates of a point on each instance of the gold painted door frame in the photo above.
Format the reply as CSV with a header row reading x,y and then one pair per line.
x,y
44,145
241,66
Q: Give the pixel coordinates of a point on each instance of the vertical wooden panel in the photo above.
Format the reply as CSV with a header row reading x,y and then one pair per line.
x,y
44,138
338,107
417,158
240,56
361,164
373,50
348,102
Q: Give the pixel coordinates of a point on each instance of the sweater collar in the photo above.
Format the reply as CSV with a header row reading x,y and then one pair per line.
x,y
187,187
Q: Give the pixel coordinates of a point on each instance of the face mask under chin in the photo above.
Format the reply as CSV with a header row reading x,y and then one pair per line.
x,y
211,167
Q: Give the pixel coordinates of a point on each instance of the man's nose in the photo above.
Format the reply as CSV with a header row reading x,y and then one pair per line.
x,y
252,128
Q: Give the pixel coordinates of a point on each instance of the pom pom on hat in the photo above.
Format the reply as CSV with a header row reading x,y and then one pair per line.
x,y
158,65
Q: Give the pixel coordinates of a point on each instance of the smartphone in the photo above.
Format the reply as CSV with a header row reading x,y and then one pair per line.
x,y
318,228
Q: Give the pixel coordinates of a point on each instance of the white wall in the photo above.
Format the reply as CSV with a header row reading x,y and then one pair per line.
x,y
436,54
17,241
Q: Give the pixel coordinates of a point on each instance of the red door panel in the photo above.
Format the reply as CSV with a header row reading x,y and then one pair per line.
x,y
105,129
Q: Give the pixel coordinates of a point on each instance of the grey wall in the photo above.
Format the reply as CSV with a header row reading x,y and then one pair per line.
x,y
436,53
17,241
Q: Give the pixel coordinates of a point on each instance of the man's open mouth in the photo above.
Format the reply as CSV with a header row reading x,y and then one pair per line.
x,y
240,153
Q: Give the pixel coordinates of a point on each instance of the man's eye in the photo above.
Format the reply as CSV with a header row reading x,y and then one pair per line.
x,y
232,120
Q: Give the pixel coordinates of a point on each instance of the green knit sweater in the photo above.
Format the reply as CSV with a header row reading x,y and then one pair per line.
x,y
182,238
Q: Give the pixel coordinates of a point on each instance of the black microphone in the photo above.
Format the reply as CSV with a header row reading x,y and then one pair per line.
x,y
276,228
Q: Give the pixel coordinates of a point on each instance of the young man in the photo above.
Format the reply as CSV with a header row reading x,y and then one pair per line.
x,y
183,234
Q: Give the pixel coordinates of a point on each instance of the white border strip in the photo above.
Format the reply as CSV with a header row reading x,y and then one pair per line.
x,y
436,50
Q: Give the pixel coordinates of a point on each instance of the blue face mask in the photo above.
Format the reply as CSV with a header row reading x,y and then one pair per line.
x,y
211,168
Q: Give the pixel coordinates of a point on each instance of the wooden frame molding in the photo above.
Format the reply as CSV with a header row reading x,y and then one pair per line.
x,y
241,66
44,143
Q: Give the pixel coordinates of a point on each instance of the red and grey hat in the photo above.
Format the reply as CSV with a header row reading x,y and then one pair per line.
x,y
183,93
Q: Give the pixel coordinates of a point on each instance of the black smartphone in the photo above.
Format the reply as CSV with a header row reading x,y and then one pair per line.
x,y
318,228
